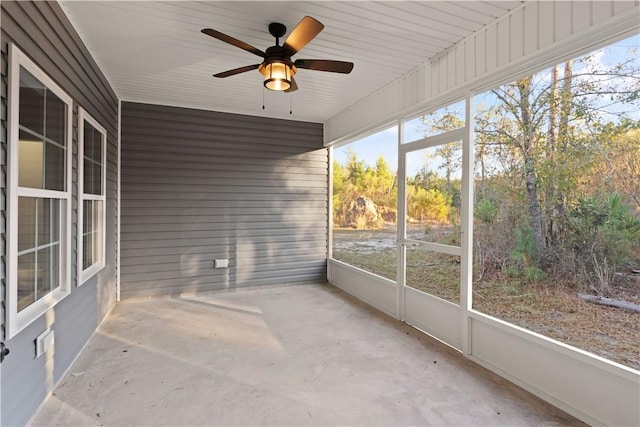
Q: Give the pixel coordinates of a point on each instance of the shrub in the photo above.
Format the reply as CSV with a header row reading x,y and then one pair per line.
x,y
534,274
486,211
604,234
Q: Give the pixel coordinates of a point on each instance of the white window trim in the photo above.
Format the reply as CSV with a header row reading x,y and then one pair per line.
x,y
15,321
86,274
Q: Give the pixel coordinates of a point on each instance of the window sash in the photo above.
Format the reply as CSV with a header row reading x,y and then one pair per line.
x,y
19,315
91,244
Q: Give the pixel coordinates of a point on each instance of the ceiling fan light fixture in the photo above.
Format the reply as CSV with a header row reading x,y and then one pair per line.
x,y
277,67
277,75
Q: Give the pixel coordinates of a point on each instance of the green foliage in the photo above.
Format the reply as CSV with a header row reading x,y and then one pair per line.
x,y
486,211
513,271
430,197
428,205
533,273
361,223
338,177
604,233
355,179
557,158
442,121
525,246
522,257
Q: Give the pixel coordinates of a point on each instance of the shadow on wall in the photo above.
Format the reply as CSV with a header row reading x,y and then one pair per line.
x,y
200,186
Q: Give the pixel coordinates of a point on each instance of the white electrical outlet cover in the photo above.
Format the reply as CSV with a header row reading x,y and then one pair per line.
x,y
44,342
221,263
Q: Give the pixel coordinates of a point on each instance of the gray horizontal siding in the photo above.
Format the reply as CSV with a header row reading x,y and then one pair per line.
x,y
200,185
209,226
42,31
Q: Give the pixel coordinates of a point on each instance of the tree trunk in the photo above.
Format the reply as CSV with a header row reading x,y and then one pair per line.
x,y
529,139
566,104
551,189
610,302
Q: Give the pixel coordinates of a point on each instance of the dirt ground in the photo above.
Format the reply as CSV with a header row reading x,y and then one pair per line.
x,y
545,307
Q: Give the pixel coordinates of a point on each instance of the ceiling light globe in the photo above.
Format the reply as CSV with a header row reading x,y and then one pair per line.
x,y
277,84
277,76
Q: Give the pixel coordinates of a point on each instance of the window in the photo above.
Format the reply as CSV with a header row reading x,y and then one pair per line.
x,y
39,192
433,187
434,123
365,189
91,201
557,212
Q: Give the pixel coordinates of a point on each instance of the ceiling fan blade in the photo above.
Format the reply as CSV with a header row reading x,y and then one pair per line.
x,y
235,42
302,34
294,86
237,71
325,65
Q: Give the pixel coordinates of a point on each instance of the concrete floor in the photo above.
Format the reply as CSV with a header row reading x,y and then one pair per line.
x,y
290,355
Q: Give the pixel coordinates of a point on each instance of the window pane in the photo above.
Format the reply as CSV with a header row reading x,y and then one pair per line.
x,y
48,221
26,280
87,178
37,269
87,216
434,183
97,146
364,203
434,273
556,210
98,227
40,164
43,212
88,140
48,265
26,223
443,120
31,106
96,179
92,179
90,243
54,167
98,143
30,161
55,119
92,160
88,247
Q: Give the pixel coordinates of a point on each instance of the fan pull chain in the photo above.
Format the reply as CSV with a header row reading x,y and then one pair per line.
x,y
290,103
263,97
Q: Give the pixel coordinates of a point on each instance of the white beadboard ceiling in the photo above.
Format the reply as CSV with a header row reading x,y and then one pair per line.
x,y
154,52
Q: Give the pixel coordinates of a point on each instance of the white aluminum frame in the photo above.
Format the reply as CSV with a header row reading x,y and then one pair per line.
x,y
535,362
92,270
409,299
17,321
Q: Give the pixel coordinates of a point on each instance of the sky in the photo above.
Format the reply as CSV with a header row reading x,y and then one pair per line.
x,y
385,142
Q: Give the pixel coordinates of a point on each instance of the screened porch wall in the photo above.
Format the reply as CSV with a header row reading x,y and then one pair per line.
x,y
531,37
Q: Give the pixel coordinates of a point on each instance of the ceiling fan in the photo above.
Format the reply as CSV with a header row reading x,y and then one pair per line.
x,y
277,68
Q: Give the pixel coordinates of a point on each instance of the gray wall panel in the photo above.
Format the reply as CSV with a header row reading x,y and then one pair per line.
x,y
199,185
42,31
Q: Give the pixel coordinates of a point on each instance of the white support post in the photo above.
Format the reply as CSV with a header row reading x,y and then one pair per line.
x,y
330,212
118,202
466,262
401,226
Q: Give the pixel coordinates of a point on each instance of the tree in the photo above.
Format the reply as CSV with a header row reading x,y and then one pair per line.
x,y
547,128
355,179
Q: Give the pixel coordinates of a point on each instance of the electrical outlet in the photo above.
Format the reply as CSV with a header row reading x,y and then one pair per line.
x,y
221,263
44,342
